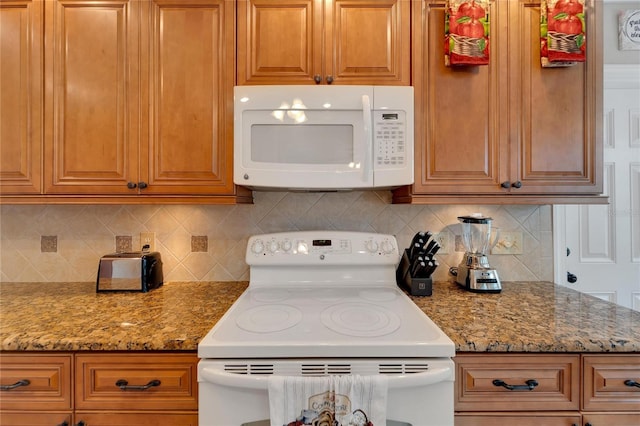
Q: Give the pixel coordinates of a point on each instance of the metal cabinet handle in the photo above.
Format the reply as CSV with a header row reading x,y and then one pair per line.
x,y
80,423
572,278
317,78
23,382
64,423
530,385
517,184
132,185
124,385
142,185
329,79
632,383
505,184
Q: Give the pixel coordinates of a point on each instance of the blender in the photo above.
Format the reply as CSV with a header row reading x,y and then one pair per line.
x,y
474,272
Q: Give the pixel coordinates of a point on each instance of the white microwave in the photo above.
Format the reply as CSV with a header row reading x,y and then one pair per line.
x,y
323,137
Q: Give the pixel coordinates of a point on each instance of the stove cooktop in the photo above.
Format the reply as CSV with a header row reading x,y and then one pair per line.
x,y
324,294
325,322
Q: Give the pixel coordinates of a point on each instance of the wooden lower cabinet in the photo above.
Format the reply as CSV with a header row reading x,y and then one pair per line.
x,y
610,419
547,389
141,419
521,419
99,389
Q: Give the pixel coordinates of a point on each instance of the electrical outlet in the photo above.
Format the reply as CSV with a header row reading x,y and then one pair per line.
x,y
148,238
508,243
444,239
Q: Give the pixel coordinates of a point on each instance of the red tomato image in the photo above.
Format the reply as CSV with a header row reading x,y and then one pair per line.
x,y
568,24
471,28
570,7
471,9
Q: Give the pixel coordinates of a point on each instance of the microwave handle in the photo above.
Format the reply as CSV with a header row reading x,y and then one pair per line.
x,y
368,139
244,381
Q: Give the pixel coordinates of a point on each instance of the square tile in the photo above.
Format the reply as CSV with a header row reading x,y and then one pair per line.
x,y
49,244
124,243
199,243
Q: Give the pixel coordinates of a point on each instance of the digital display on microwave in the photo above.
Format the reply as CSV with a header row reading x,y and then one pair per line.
x,y
321,243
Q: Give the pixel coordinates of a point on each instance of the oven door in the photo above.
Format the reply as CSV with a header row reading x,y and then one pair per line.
x,y
234,392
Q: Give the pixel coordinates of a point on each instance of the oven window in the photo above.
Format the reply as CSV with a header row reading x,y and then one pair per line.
x,y
302,143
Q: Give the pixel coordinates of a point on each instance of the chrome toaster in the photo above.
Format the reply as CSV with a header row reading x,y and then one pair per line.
x,y
135,271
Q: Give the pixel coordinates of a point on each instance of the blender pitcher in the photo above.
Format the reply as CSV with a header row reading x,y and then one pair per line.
x,y
476,234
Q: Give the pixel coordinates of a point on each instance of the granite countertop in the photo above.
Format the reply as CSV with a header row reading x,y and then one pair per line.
x,y
525,317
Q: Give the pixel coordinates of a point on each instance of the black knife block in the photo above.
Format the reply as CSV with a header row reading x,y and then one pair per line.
x,y
415,286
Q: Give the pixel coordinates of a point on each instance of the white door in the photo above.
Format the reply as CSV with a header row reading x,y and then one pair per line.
x,y
600,244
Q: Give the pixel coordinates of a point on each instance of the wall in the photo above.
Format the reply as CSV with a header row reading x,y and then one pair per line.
x,y
84,233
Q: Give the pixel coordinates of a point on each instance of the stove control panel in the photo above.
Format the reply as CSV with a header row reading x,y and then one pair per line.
x,y
322,247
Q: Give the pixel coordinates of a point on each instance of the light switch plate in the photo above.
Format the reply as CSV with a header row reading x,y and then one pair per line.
x,y
509,243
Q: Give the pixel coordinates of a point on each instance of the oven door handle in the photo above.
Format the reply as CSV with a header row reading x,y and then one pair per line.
x,y
244,381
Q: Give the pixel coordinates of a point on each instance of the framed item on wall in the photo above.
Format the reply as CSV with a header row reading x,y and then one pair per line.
x,y
629,30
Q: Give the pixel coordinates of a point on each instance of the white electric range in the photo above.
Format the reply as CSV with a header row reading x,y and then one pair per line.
x,y
319,303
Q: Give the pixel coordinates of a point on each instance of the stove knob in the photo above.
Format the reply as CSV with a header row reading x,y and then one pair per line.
x,y
386,247
257,247
371,246
286,245
272,246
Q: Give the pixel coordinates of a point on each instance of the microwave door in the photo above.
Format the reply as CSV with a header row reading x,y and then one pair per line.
x,y
306,149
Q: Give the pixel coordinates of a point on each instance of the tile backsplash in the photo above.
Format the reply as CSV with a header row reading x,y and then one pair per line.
x,y
207,242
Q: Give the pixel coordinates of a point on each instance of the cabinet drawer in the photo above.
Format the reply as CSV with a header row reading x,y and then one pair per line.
x,y
138,419
137,382
42,382
35,419
480,380
611,419
521,419
604,385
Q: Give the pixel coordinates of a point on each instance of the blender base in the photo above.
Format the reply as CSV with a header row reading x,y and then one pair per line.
x,y
479,280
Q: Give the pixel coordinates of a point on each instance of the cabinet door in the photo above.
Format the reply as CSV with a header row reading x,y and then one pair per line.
x,y
367,42
34,419
555,114
139,419
21,26
521,419
279,41
190,93
610,419
459,142
92,103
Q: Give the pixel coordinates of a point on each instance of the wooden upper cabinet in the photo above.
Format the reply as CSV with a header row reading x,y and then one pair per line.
x,y
190,93
92,104
509,128
324,42
20,96
139,97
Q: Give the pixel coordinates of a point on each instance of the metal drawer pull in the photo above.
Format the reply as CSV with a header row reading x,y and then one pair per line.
x,y
124,385
632,383
530,384
23,382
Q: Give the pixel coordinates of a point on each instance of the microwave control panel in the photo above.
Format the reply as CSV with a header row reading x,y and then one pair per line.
x,y
390,149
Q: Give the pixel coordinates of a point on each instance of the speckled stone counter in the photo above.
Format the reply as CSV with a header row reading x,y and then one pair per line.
x,y
531,317
525,317
72,317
